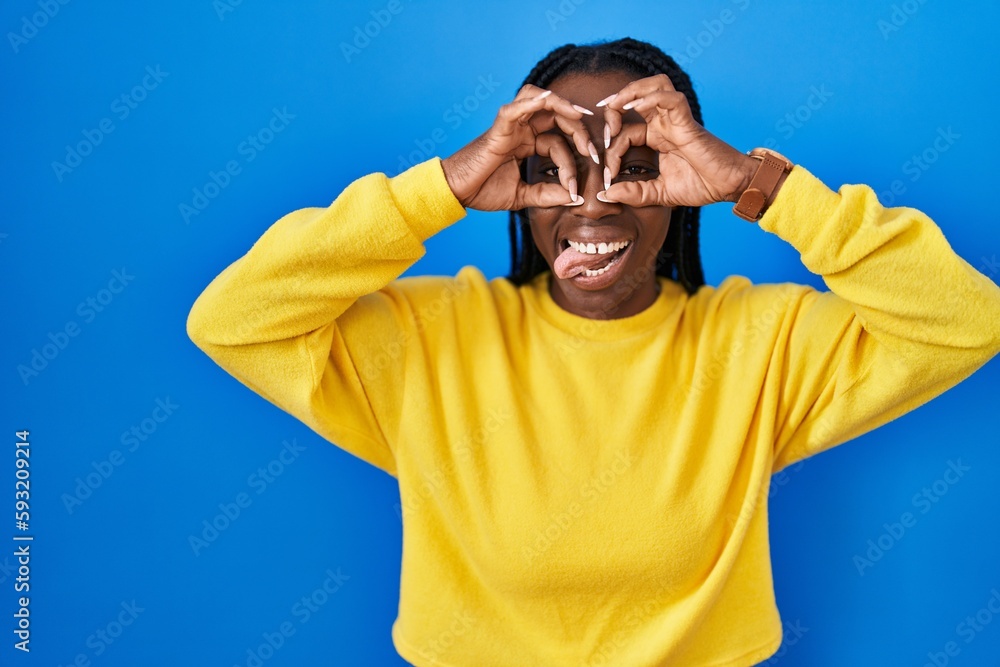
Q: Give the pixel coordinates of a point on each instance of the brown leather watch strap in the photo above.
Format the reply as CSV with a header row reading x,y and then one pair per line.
x,y
753,202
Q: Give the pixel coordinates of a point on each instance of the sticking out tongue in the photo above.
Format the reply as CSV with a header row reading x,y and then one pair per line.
x,y
572,263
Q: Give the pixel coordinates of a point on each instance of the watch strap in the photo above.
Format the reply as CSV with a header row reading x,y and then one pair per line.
x,y
753,202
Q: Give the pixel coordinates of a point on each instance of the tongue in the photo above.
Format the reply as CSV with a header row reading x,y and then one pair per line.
x,y
571,263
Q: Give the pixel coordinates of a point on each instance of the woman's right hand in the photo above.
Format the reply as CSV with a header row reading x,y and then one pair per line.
x,y
484,175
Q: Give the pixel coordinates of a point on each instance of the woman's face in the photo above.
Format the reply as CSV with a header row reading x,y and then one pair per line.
x,y
628,285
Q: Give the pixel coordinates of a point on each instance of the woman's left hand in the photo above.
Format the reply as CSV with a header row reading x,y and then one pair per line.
x,y
695,166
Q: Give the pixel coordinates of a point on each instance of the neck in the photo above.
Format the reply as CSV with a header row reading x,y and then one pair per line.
x,y
607,304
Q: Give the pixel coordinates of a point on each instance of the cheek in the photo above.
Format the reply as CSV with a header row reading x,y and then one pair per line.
x,y
540,224
542,221
656,223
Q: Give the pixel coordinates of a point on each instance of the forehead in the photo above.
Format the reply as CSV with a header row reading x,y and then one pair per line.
x,y
588,89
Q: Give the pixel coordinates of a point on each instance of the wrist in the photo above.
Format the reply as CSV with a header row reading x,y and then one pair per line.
x,y
769,175
774,193
451,176
746,170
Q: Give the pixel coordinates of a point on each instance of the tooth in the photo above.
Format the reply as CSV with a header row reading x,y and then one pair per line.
x,y
591,249
602,248
615,247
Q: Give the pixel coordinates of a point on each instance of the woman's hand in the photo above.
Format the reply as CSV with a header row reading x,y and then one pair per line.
x,y
695,166
484,175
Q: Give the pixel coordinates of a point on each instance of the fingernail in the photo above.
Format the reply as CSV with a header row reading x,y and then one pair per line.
x,y
602,196
572,189
607,178
577,201
544,95
606,100
632,104
583,110
593,152
607,135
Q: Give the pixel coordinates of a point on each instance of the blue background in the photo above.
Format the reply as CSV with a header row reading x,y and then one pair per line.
x,y
226,71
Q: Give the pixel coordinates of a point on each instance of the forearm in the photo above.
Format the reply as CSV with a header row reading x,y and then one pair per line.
x,y
905,319
894,266
311,265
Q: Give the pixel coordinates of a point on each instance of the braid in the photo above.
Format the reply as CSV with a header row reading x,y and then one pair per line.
x,y
679,258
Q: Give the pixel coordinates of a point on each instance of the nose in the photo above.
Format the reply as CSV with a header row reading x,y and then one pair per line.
x,y
590,181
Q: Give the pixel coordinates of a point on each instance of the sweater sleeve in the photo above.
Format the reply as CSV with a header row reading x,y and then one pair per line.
x,y
291,317
905,318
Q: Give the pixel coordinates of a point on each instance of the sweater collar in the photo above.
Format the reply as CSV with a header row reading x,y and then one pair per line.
x,y
672,295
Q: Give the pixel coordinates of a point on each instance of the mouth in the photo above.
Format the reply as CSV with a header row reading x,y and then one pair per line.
x,y
592,264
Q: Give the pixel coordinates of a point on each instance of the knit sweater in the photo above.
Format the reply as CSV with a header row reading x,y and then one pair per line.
x,y
579,491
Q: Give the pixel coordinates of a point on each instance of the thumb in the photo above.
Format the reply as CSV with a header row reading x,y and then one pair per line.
x,y
543,195
635,193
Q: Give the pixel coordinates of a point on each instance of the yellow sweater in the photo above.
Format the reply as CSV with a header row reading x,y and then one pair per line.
x,y
584,492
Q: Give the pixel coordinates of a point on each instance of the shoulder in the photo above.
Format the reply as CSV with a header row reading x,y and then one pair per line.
x,y
419,299
469,284
738,297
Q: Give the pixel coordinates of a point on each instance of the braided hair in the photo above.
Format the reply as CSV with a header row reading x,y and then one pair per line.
x,y
678,258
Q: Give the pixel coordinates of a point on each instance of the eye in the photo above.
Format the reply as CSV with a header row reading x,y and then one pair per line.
x,y
636,170
550,172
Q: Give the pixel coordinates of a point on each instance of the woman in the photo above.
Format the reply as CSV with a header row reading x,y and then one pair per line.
x,y
583,448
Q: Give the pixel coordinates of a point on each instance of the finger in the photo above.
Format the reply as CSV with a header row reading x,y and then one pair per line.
x,y
636,89
519,111
616,105
528,91
635,193
632,134
560,105
567,117
555,148
540,195
663,102
612,125
619,103
578,132
546,111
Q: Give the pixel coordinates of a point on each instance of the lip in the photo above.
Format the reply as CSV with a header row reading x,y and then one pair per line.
x,y
595,235
609,277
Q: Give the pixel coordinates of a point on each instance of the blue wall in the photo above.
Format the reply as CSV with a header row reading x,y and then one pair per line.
x,y
101,246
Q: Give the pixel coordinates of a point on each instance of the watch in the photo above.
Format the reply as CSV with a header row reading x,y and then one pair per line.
x,y
753,202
